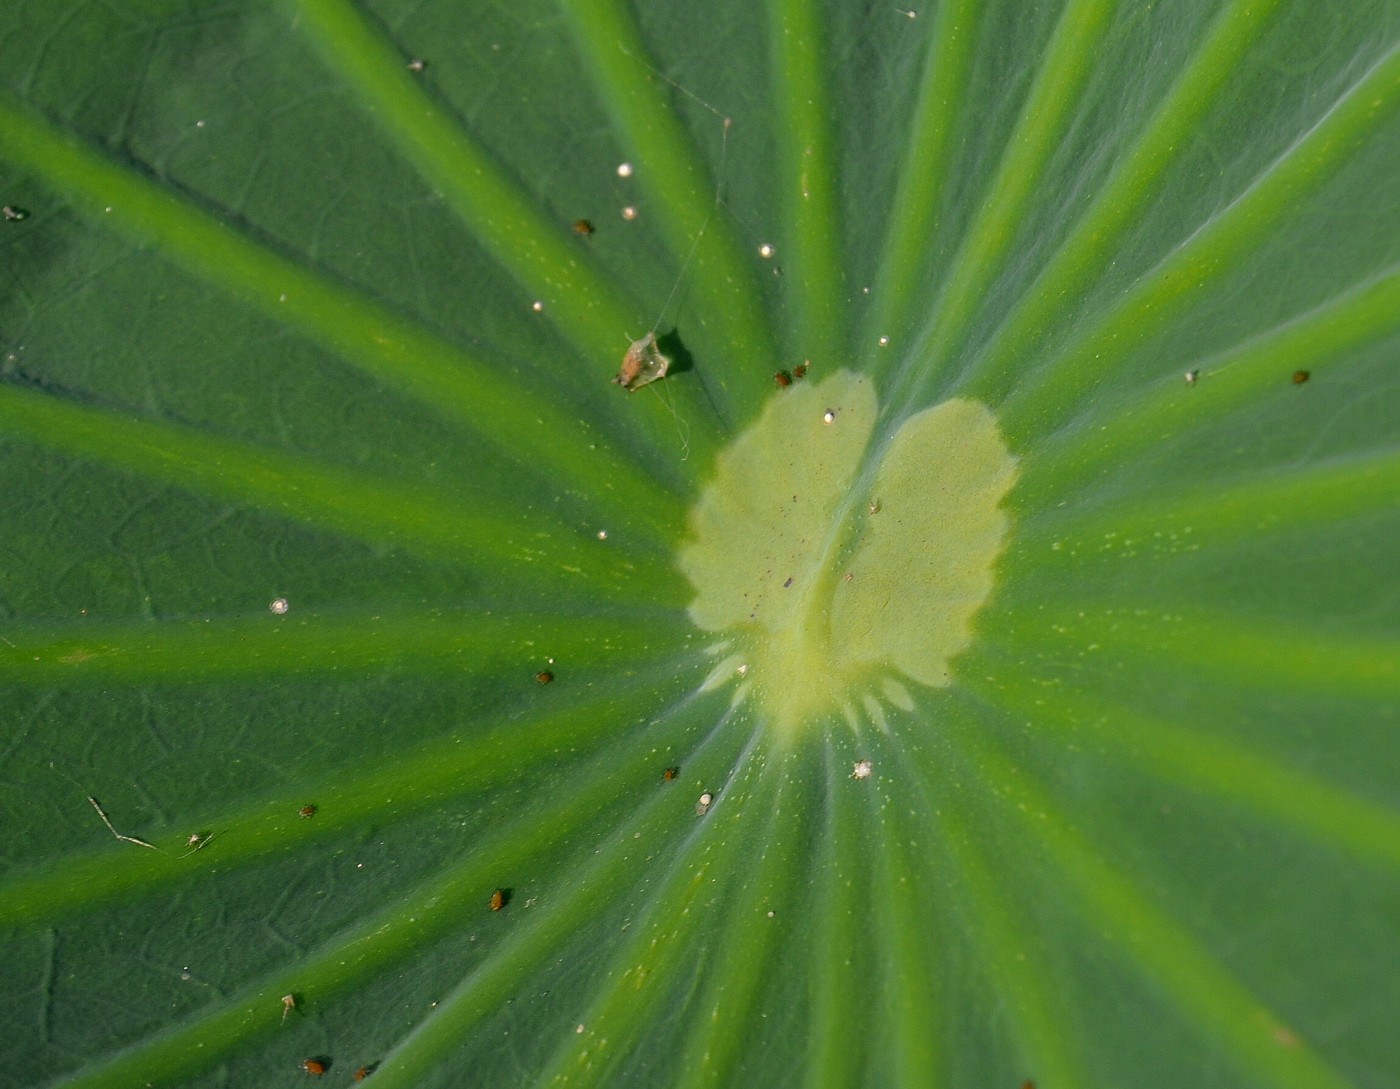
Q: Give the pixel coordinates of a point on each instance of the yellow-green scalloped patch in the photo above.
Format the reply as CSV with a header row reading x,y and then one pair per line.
x,y
838,578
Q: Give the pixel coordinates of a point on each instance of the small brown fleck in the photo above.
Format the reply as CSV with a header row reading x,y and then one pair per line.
x,y
306,812
314,1067
363,1072
782,379
670,773
498,899
583,228
800,371
1299,377
544,676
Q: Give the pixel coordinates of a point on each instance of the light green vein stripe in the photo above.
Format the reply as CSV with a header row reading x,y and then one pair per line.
x,y
1150,942
724,1021
807,179
347,799
1067,64
646,960
1008,946
1174,752
574,900
538,251
1120,200
1278,500
465,389
1275,654
907,944
1318,341
1042,398
840,991
273,647
729,337
525,544
921,190
400,933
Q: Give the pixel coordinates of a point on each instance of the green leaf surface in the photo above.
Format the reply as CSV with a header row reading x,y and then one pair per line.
x,y
285,317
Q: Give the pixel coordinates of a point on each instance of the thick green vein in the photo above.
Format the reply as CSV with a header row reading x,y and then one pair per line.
x,y
453,766
538,250
913,1027
564,446
398,934
523,544
1041,128
727,332
915,217
1005,941
807,179
1271,654
575,897
1274,501
1121,199
1148,941
1040,400
774,856
1318,341
456,644
1175,752
840,986
1277,500
660,936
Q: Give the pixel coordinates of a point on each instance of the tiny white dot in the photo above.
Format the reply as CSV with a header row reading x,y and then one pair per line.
x,y
537,306
282,297
1190,377
629,212
199,124
884,342
416,65
765,251
602,535
578,1028
624,170
279,606
829,417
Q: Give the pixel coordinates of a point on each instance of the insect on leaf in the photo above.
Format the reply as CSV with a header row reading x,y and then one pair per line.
x,y
644,362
